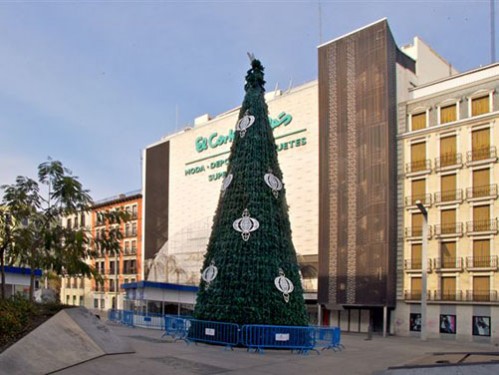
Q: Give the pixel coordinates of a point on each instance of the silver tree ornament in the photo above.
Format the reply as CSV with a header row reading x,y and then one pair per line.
x,y
245,225
284,285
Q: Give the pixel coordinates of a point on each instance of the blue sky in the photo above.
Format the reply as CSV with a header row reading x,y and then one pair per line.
x,y
92,83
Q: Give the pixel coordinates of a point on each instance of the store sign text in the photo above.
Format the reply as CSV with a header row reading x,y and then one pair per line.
x,y
215,140
217,167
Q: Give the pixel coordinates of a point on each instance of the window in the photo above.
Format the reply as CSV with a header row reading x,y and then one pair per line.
x,y
134,247
448,151
68,223
134,211
416,257
127,230
418,157
448,113
448,221
448,187
418,121
480,105
81,300
448,288
481,183
134,229
481,218
416,287
480,144
127,247
448,254
417,224
75,225
82,220
481,288
418,191
481,253
96,303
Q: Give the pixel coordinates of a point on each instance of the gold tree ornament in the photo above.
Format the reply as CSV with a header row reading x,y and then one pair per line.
x,y
274,183
284,285
244,123
245,225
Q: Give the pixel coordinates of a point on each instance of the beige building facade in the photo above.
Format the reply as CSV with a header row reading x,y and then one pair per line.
x,y
448,141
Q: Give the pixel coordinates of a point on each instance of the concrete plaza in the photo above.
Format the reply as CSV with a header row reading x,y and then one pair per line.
x,y
157,355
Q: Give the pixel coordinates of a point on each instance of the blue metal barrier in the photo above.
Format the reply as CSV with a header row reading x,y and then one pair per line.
x,y
149,321
328,338
259,337
176,327
127,318
213,332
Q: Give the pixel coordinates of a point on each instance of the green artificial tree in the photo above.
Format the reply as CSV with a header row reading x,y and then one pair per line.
x,y
250,273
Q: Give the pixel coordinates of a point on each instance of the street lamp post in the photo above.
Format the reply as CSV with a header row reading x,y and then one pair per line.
x,y
424,261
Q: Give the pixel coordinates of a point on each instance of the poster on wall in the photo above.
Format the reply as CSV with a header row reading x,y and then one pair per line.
x,y
447,323
415,322
481,325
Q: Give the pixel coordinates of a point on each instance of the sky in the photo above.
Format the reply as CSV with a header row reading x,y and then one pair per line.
x,y
93,83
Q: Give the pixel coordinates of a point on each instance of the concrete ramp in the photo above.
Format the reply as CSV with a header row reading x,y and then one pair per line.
x,y
70,337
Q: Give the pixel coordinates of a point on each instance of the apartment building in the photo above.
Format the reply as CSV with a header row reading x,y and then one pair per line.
x,y
115,269
448,140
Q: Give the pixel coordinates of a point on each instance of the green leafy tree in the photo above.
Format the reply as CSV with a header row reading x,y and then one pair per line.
x,y
38,239
250,251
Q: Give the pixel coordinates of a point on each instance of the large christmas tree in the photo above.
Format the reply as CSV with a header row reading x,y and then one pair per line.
x,y
250,273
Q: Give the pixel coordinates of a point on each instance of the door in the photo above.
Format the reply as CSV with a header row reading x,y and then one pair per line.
x,y
481,253
416,256
481,183
481,288
481,218
448,254
418,157
448,288
448,151
416,286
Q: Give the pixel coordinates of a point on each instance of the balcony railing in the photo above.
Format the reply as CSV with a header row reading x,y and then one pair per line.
x,y
486,191
481,295
486,262
484,154
448,263
414,295
448,161
424,198
447,295
415,265
449,230
449,196
416,232
418,166
481,226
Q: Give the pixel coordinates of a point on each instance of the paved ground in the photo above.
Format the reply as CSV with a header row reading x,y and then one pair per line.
x,y
156,355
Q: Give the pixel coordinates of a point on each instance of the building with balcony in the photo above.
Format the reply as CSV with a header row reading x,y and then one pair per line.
x,y
125,267
76,290
116,269
448,139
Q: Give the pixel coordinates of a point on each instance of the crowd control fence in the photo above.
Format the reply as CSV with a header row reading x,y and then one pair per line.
x,y
252,336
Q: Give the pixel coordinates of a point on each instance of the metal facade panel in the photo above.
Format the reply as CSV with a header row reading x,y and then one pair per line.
x,y
157,198
357,157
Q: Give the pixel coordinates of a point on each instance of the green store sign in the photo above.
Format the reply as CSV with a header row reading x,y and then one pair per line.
x,y
215,140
